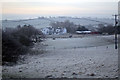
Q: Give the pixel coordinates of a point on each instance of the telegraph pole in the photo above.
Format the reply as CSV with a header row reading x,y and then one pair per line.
x,y
116,22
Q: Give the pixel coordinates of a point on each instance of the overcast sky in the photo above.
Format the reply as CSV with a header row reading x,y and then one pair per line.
x,y
19,9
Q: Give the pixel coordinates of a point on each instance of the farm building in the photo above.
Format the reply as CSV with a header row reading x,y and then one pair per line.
x,y
83,32
50,30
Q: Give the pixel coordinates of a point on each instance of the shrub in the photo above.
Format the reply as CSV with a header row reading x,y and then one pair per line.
x,y
25,40
16,42
11,49
108,29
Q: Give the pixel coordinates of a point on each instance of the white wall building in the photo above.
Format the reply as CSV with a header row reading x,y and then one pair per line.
x,y
64,30
45,30
51,30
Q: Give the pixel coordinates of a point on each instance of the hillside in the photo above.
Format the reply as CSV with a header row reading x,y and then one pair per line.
x,y
44,22
86,57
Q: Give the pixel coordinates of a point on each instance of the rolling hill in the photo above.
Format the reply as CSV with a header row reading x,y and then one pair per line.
x,y
44,22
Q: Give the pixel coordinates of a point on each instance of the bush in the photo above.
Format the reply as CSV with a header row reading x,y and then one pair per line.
x,y
108,29
25,40
11,49
16,42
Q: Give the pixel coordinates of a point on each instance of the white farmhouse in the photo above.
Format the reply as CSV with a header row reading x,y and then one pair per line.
x,y
60,30
50,30
45,30
57,31
64,30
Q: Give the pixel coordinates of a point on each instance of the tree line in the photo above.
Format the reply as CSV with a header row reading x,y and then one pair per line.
x,y
70,26
110,29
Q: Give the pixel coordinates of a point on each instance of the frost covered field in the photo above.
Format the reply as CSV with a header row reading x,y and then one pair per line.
x,y
85,57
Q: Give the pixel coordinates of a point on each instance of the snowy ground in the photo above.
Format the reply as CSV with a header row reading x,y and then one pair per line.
x,y
85,57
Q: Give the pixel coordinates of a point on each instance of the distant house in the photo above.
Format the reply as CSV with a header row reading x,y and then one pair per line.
x,y
57,31
50,30
64,30
60,30
45,30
